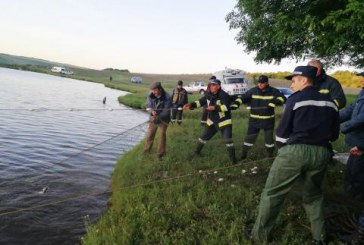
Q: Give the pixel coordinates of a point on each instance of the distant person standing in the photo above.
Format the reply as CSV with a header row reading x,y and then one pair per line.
x,y
159,105
352,118
179,99
110,78
326,84
308,125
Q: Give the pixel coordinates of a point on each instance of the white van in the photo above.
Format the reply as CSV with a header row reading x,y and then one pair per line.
x,y
233,81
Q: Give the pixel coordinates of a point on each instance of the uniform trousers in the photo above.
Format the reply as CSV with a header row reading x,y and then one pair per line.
x,y
306,163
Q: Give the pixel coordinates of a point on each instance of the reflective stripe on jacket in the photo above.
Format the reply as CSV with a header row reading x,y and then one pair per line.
x,y
326,84
262,104
221,100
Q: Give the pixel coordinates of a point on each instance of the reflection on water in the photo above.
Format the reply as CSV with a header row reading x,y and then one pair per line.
x,y
44,158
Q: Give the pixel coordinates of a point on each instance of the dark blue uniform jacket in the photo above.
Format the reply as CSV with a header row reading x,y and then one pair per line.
x,y
309,118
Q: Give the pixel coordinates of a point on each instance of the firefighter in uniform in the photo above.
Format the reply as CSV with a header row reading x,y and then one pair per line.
x,y
204,111
326,84
310,121
262,99
179,99
218,118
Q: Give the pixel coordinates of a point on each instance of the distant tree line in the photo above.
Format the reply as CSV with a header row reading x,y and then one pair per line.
x,y
347,79
113,69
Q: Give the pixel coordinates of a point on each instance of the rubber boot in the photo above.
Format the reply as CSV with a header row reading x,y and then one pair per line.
x,y
270,151
231,151
197,151
244,152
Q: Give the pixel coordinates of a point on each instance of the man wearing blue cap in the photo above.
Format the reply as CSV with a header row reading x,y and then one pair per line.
x,y
263,99
309,123
352,118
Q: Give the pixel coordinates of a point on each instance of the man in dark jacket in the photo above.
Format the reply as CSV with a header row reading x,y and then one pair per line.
x,y
179,99
218,118
352,118
159,104
309,123
262,99
326,84
204,108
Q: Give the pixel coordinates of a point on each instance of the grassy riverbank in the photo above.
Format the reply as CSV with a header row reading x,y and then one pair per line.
x,y
204,200
200,201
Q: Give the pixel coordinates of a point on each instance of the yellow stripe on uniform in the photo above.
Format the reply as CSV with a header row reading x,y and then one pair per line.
x,y
324,91
336,103
240,101
209,122
223,108
224,123
281,99
260,97
271,105
261,117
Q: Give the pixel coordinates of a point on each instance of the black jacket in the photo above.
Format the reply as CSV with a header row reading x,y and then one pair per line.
x,y
326,84
162,105
262,103
309,118
221,117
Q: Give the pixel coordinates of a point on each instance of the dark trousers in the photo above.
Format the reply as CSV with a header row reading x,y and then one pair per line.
x,y
253,133
226,133
354,177
204,115
176,114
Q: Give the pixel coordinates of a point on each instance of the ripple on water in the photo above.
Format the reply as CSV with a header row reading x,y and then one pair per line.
x,y
57,150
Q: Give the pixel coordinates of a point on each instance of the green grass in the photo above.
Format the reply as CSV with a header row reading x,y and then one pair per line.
x,y
170,201
205,200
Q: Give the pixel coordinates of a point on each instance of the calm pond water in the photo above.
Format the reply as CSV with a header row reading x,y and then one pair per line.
x,y
58,140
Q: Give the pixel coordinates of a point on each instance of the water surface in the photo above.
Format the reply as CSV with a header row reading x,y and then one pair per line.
x,y
58,140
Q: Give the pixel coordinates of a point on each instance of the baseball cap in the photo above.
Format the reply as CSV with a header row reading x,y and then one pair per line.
x,y
215,81
305,71
155,85
263,79
180,82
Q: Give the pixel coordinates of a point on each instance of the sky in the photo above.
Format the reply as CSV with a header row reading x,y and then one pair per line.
x,y
144,36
